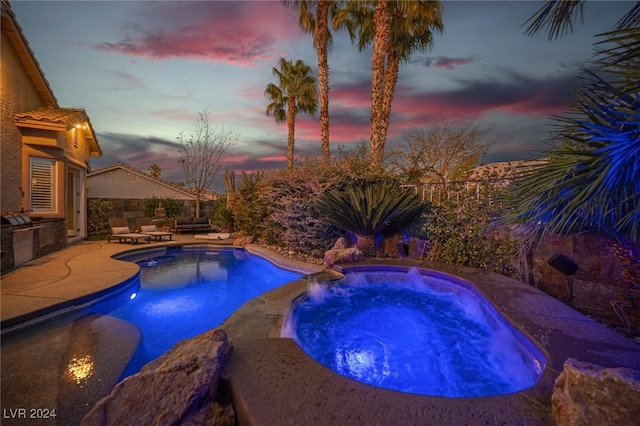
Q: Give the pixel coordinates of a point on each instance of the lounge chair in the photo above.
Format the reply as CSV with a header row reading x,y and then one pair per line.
x,y
146,226
120,231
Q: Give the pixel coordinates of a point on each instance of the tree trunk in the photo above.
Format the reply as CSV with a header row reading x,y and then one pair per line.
x,y
367,245
382,26
323,76
291,124
390,80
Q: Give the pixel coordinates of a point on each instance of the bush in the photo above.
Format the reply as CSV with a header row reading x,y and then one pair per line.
x,y
171,207
98,216
222,216
464,234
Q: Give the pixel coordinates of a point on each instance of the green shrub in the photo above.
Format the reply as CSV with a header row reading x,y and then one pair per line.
x,y
171,206
464,234
250,208
222,216
98,216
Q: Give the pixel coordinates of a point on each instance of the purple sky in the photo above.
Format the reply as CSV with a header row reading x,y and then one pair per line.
x,y
143,70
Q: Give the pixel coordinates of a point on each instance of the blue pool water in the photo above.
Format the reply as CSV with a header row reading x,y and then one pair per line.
x,y
185,292
413,333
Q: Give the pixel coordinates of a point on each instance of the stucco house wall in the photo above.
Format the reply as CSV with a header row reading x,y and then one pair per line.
x,y
45,155
17,93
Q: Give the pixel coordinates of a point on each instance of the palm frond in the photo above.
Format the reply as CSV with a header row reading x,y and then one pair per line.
x,y
370,208
556,15
592,180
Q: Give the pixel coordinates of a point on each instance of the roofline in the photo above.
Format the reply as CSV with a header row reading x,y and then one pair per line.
x,y
141,174
15,34
24,119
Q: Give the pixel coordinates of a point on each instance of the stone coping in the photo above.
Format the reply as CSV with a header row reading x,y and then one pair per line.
x,y
272,380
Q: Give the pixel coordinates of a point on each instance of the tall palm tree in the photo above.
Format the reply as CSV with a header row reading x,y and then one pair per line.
x,y
397,29
314,19
295,93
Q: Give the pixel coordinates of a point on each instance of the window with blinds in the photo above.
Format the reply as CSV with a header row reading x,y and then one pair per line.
x,y
43,185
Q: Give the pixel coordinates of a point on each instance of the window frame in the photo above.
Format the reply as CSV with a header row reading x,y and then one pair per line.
x,y
52,182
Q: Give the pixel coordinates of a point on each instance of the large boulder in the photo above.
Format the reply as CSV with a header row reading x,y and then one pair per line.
x,y
172,389
333,256
587,394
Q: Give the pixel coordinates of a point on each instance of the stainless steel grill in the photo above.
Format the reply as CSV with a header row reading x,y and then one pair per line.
x,y
17,220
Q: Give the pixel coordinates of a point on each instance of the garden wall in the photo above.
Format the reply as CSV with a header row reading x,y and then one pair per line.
x,y
593,286
133,208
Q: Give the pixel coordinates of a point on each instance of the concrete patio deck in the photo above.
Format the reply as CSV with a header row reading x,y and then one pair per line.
x,y
271,380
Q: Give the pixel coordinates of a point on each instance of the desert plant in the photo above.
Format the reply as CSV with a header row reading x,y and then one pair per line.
x,y
370,209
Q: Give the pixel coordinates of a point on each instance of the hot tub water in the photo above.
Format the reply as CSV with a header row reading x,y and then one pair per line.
x,y
413,333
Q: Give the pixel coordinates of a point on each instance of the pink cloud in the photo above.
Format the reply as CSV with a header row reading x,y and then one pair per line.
x,y
273,159
227,32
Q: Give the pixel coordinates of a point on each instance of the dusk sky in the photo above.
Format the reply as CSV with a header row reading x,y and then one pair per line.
x,y
143,70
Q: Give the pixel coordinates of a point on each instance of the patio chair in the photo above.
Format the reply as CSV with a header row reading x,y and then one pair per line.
x,y
120,231
146,226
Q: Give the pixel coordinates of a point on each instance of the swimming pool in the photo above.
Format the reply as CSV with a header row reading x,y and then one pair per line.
x,y
414,332
187,291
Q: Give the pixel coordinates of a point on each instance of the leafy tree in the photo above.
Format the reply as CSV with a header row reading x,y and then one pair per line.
x,y
201,154
314,19
294,93
397,29
439,153
370,209
155,171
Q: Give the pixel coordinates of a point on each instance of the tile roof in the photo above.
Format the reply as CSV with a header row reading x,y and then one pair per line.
x,y
68,116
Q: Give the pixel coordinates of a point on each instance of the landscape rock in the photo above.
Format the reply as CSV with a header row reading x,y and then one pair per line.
x,y
333,256
341,243
243,241
587,394
417,248
171,389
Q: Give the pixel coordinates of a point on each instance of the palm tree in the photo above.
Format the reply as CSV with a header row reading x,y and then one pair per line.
x,y
397,29
155,171
295,93
370,209
591,180
317,26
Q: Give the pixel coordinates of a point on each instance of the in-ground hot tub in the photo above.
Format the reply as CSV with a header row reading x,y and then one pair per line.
x,y
413,330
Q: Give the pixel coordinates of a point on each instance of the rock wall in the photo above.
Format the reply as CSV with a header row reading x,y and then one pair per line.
x,y
592,287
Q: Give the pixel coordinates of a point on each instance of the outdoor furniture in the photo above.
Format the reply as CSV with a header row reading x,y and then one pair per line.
x,y
190,223
120,231
146,226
